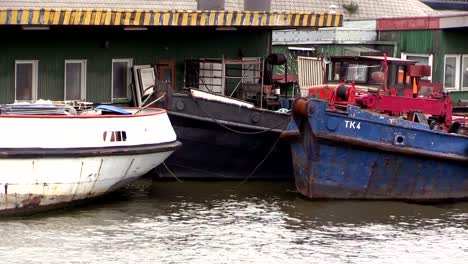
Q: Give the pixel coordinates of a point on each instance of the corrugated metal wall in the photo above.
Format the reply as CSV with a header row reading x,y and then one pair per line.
x,y
53,47
420,41
417,41
310,73
6,80
436,42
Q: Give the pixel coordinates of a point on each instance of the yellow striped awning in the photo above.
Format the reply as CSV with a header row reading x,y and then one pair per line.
x,y
101,17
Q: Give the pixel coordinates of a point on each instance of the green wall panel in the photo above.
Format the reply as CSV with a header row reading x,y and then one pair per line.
x,y
418,41
415,41
54,46
455,97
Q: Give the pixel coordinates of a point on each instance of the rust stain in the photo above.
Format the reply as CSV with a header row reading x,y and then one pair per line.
x,y
371,178
6,194
32,201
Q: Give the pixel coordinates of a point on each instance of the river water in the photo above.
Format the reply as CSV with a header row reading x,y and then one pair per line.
x,y
224,222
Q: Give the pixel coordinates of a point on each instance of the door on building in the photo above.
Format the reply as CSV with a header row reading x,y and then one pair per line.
x,y
166,75
26,80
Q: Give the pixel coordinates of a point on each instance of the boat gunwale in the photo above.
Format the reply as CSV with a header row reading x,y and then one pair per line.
x,y
404,124
156,111
225,122
338,137
255,108
9,153
389,147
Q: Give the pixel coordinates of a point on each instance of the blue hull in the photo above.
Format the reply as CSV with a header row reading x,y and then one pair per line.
x,y
356,154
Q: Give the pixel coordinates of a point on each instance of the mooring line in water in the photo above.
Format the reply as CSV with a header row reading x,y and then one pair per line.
x,y
170,172
202,171
238,131
261,162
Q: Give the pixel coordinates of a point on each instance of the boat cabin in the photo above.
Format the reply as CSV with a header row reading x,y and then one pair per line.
x,y
375,74
380,73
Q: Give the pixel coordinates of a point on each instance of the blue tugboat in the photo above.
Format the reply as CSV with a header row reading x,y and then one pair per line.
x,y
358,154
379,147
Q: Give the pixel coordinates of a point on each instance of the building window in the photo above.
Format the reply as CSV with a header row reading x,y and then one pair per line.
x,y
451,72
422,59
75,80
121,78
211,76
26,80
465,73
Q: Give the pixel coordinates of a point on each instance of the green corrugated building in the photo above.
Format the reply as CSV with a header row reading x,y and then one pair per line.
x,y
84,50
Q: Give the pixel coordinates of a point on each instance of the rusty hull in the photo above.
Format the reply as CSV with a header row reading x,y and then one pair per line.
x,y
46,196
383,158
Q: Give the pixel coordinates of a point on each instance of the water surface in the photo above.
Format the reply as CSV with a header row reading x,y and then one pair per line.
x,y
224,222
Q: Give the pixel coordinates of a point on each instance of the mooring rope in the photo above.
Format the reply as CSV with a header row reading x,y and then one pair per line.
x,y
170,172
261,162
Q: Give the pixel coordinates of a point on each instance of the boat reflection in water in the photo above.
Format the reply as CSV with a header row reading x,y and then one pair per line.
x,y
224,222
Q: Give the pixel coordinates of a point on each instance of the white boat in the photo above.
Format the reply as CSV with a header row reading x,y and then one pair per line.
x,y
52,159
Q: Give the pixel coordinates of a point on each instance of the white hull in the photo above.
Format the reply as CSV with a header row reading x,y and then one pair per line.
x,y
30,183
58,160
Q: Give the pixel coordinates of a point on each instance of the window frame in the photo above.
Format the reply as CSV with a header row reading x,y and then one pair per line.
x,y
457,72
34,78
430,57
83,63
463,67
129,78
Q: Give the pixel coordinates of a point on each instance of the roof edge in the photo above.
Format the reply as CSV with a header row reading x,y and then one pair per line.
x,y
135,17
423,23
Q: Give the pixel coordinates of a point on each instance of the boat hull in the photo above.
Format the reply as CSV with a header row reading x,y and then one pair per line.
x,y
224,141
211,152
47,161
384,158
32,184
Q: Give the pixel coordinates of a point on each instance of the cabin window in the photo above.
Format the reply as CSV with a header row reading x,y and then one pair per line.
x,y
26,80
465,73
75,80
451,72
403,77
335,71
357,73
114,136
121,78
422,59
376,74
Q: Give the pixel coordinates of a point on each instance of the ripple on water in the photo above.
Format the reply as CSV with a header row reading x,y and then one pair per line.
x,y
218,223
